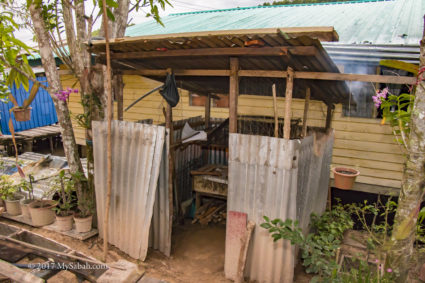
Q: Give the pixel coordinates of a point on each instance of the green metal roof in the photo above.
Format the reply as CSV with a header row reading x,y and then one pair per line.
x,y
366,21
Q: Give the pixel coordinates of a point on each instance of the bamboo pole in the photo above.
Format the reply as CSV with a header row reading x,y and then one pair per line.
x,y
169,126
306,106
109,138
276,119
288,102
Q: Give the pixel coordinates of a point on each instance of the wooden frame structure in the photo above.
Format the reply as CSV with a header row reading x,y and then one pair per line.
x,y
226,62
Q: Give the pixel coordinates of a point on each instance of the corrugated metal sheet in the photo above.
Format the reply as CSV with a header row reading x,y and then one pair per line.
x,y
367,21
313,177
136,155
371,53
263,181
279,179
43,111
160,236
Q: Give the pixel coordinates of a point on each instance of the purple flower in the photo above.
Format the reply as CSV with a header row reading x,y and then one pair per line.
x,y
75,90
376,260
389,270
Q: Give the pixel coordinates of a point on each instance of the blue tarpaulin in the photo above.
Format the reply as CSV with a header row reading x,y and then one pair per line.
x,y
43,111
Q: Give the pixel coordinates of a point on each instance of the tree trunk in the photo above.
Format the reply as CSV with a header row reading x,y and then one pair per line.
x,y
413,184
53,79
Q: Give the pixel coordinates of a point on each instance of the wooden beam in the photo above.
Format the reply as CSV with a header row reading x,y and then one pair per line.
x,y
323,33
280,74
18,275
355,77
227,51
329,116
233,95
306,106
207,111
288,103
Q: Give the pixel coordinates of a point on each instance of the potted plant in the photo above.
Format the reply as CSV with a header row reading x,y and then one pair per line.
x,y
64,213
9,195
29,197
344,177
84,218
41,211
23,113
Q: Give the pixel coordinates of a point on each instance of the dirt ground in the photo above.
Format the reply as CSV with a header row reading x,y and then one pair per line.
x,y
197,255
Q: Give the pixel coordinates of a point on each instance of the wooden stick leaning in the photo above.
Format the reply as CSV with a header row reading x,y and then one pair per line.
x,y
276,119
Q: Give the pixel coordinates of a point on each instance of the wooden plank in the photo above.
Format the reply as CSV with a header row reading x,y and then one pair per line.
x,y
288,101
374,189
355,77
233,95
367,163
366,146
17,274
306,106
226,51
235,231
244,251
321,32
365,154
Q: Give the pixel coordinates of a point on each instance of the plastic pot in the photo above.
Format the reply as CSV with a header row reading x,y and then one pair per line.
x,y
41,212
64,223
13,207
345,177
22,114
83,225
24,207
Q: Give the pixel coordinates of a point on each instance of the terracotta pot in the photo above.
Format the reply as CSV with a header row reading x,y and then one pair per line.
x,y
344,177
22,114
13,207
24,207
64,223
41,212
83,225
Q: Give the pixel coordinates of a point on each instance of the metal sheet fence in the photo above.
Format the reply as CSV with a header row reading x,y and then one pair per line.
x,y
262,178
313,177
43,111
279,179
136,155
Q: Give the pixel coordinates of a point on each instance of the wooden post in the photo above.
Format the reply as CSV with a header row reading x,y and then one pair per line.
x,y
169,126
306,106
233,95
329,116
207,111
288,102
276,119
109,138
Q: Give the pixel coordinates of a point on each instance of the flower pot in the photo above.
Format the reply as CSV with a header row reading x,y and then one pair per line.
x,y
64,223
83,225
344,177
13,207
24,207
22,114
41,212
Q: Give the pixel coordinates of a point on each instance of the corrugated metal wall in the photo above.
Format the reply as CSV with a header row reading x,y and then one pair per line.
x,y
43,111
313,177
279,179
262,178
137,151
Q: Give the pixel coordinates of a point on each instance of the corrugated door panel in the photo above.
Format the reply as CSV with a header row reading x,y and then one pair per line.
x,y
137,151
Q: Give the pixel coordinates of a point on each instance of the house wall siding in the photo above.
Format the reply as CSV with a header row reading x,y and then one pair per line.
x,y
361,143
